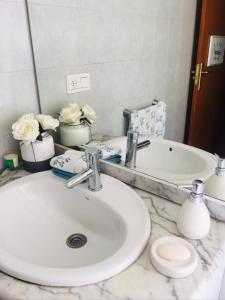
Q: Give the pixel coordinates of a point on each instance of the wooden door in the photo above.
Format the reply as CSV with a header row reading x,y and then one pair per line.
x,y
207,108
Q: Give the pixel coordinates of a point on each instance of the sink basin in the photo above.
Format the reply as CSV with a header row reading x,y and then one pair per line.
x,y
171,161
40,220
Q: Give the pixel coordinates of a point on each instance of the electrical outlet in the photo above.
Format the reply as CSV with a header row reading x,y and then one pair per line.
x,y
78,83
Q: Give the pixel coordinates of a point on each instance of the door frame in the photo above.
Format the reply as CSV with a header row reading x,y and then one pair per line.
x,y
193,64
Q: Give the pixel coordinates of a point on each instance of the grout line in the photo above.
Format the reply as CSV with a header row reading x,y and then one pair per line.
x,y
112,11
11,1
33,58
17,71
97,63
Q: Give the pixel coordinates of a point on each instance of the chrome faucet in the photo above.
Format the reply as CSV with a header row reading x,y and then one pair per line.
x,y
132,147
92,172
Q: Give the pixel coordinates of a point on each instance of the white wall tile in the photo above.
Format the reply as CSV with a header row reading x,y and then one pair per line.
x,y
18,92
161,37
77,37
15,49
86,37
122,6
134,50
168,8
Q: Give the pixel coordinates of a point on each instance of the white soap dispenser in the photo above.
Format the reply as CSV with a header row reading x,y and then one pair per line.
x,y
215,185
193,219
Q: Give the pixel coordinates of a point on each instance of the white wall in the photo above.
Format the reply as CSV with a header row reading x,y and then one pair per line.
x,y
134,50
18,93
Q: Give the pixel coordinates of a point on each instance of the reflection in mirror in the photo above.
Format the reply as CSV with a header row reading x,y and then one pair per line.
x,y
133,51
170,161
117,55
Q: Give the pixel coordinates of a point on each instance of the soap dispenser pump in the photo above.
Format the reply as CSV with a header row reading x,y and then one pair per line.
x,y
215,185
193,219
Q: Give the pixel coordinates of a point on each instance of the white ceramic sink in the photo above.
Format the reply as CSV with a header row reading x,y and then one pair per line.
x,y
171,161
38,213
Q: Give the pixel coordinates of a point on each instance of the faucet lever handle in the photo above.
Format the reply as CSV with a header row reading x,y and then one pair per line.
x,y
93,155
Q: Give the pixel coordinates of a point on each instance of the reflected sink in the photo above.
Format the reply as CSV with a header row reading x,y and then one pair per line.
x,y
171,161
39,216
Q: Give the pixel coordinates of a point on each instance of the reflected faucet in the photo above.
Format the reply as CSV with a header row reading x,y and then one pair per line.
x,y
132,147
92,172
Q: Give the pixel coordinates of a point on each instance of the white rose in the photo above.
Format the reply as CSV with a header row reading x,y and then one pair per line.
x,y
26,129
27,117
89,113
70,114
47,122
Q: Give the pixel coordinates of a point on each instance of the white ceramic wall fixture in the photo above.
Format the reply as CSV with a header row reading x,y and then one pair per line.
x,y
38,213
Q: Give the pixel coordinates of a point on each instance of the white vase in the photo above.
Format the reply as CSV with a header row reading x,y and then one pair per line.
x,y
36,156
74,135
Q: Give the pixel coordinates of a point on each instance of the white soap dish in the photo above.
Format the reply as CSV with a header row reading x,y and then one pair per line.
x,y
173,256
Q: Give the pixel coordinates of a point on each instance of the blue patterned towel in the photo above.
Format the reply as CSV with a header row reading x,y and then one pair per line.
x,y
71,161
106,150
150,120
74,162
62,174
116,159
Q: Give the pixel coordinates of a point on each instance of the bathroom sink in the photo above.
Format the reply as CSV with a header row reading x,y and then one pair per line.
x,y
56,236
171,161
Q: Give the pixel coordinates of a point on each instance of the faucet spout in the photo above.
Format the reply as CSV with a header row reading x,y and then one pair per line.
x,y
79,178
92,172
132,147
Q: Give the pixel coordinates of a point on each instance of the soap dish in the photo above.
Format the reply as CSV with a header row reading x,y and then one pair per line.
x,y
174,268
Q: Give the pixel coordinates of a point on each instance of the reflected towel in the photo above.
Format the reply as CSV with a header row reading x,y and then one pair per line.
x,y
106,150
150,120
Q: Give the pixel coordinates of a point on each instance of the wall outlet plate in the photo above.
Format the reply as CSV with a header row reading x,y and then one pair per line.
x,y
216,50
78,83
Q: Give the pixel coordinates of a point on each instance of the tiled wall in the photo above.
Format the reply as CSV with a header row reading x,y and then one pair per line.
x,y
134,50
18,93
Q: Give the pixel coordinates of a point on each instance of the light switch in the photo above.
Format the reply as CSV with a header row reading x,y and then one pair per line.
x,y
78,83
85,81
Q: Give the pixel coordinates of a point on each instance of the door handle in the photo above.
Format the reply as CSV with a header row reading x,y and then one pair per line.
x,y
198,75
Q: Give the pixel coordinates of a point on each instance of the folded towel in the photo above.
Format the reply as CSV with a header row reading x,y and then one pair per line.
x,y
150,120
62,174
116,159
73,162
106,150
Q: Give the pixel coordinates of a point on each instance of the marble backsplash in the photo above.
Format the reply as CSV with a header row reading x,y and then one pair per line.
x,y
154,185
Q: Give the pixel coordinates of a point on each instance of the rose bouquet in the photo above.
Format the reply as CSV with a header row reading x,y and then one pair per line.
x,y
30,127
75,115
75,124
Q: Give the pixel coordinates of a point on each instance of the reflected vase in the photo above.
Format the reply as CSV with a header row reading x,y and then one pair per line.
x,y
74,135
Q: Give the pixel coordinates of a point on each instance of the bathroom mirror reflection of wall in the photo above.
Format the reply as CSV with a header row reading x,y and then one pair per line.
x,y
134,51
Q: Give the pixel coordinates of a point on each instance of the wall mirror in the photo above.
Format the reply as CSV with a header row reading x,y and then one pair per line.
x,y
134,51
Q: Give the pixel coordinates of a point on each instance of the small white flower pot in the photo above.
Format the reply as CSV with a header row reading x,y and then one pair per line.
x,y
36,156
74,135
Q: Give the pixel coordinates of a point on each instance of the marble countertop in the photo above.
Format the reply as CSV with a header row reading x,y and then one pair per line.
x,y
140,280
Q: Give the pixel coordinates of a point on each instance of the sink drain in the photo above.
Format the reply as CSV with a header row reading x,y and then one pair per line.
x,y
76,240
